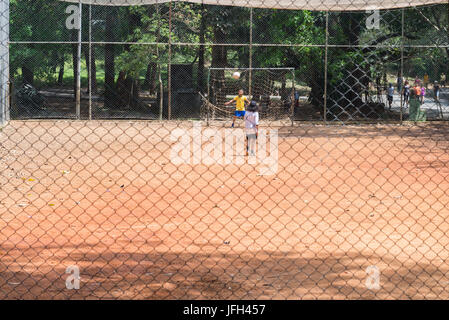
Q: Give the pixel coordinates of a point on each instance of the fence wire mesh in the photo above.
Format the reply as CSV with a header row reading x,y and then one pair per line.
x,y
213,150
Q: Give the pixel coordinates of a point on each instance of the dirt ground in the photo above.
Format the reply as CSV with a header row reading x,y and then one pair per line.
x,y
106,197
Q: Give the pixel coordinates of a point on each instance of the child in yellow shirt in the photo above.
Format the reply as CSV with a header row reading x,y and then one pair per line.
x,y
241,102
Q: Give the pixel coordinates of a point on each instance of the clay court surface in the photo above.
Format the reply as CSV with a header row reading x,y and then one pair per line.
x,y
105,196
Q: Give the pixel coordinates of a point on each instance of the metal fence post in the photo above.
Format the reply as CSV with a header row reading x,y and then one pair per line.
x,y
402,64
325,69
293,98
161,86
90,62
169,100
4,62
208,96
78,67
250,53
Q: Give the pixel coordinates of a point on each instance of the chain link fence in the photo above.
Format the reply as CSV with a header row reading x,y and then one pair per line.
x,y
128,169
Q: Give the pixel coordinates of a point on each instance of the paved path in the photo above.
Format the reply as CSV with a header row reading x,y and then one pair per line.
x,y
429,104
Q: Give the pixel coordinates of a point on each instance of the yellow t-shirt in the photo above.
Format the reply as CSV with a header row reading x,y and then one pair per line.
x,y
240,103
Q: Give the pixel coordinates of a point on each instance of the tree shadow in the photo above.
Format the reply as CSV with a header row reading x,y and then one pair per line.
x,y
437,132
220,274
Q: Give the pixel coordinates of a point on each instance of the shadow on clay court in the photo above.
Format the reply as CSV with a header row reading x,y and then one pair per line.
x,y
227,275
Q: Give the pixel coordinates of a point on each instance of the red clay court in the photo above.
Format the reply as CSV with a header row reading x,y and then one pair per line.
x,y
105,196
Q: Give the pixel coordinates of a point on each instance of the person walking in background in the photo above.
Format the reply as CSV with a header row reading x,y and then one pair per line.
x,y
436,91
436,97
296,99
406,94
426,80
423,94
417,89
415,113
390,93
417,81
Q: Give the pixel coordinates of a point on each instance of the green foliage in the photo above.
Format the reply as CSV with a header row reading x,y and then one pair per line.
x,y
29,21
44,20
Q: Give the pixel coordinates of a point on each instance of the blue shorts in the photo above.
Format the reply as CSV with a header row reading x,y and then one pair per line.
x,y
239,113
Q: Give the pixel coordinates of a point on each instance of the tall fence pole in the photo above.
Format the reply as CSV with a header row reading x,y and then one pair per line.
x,y
78,67
250,53
90,62
326,48
4,62
161,87
169,100
208,96
293,98
402,65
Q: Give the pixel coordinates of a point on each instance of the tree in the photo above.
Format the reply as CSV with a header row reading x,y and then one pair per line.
x,y
128,81
29,22
293,27
95,27
202,49
143,26
110,97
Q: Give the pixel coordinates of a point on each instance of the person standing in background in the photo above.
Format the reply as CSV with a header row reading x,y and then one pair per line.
x,y
417,81
436,91
296,99
426,80
390,93
415,113
417,89
406,93
423,94
436,97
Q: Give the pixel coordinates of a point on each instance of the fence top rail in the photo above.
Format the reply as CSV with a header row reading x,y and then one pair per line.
x,y
317,5
236,68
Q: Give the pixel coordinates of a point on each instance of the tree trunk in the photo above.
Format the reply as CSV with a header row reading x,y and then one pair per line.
x,y
447,70
27,74
110,100
219,53
153,77
91,71
146,83
74,60
55,62
219,60
351,89
150,78
283,92
121,88
152,67
317,90
61,71
128,91
129,87
201,50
